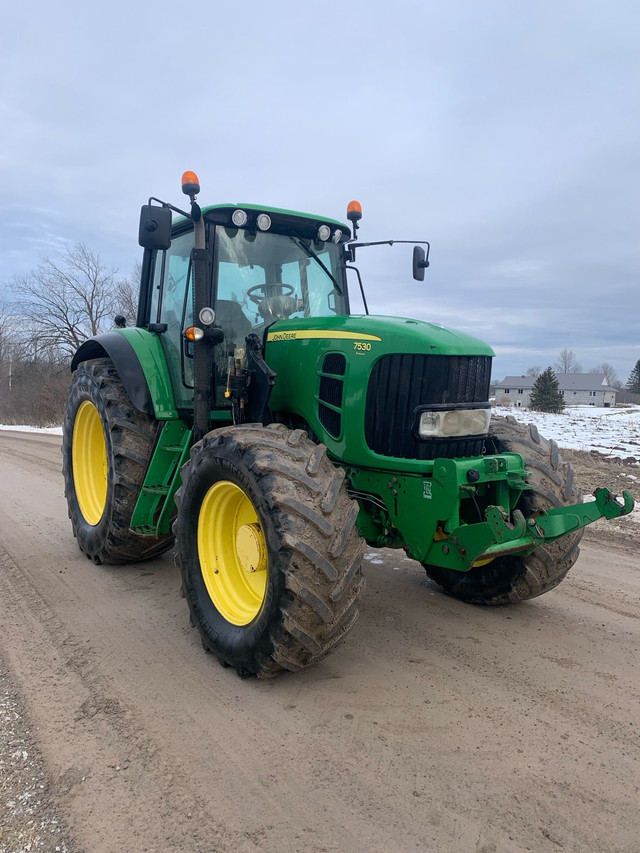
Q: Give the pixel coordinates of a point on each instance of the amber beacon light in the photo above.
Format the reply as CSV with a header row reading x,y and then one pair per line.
x,y
354,215
354,211
190,184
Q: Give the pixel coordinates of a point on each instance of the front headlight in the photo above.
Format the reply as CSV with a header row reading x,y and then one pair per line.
x,y
453,423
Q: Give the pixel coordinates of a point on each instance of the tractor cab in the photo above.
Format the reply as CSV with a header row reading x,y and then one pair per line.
x,y
262,265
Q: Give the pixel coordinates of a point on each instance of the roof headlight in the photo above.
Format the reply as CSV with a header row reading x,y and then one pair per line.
x,y
453,423
324,232
239,218
337,235
207,315
264,222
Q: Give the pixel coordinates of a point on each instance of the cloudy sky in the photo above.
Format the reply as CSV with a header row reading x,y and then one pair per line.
x,y
506,133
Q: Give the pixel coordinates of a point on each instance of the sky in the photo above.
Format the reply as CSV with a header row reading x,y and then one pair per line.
x,y
506,133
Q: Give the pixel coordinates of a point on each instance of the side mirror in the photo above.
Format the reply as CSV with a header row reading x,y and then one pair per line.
x,y
419,263
155,227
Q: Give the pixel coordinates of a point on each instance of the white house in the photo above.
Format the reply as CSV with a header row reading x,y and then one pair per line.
x,y
578,389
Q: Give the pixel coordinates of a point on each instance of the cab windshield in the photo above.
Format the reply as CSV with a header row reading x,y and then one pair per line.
x,y
263,277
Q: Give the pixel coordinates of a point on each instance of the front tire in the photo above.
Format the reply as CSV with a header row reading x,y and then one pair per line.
x,y
513,578
106,447
268,549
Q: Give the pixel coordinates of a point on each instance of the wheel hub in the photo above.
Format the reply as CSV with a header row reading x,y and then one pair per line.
x,y
250,548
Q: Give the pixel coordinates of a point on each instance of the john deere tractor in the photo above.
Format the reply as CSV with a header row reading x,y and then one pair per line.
x,y
252,420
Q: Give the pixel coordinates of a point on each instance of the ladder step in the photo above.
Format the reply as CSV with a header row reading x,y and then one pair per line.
x,y
156,490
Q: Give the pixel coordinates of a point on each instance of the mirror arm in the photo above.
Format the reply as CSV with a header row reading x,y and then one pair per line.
x,y
350,248
364,298
170,207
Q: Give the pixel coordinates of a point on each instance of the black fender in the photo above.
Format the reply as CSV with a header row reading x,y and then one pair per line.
x,y
125,358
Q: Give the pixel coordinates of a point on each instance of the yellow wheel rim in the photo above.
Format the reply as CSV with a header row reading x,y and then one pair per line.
x,y
89,454
233,553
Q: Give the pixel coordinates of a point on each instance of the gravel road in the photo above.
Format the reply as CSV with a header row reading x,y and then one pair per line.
x,y
437,727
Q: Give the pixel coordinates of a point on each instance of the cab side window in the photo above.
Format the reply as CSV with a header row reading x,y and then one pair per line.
x,y
176,305
172,304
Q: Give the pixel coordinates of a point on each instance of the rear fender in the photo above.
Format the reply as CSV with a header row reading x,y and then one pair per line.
x,y
141,364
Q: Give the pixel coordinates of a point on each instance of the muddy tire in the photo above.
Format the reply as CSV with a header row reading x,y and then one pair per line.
x,y
509,579
106,447
268,549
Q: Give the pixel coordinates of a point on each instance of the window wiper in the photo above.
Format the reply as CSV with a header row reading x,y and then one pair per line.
x,y
311,254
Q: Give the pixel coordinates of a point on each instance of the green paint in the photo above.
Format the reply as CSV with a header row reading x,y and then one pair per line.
x,y
150,354
297,360
420,508
458,524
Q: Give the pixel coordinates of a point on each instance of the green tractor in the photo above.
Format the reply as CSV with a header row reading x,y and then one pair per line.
x,y
271,435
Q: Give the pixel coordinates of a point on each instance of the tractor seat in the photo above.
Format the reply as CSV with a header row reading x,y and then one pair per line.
x,y
231,317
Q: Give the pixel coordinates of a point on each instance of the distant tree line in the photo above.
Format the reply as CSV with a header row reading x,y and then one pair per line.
x,y
48,313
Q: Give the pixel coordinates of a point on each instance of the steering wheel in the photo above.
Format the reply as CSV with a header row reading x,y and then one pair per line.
x,y
257,298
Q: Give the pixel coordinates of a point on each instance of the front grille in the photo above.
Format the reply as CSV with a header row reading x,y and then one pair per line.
x,y
400,383
330,392
334,362
330,420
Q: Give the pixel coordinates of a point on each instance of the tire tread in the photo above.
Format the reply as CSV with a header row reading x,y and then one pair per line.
x,y
510,579
320,553
132,437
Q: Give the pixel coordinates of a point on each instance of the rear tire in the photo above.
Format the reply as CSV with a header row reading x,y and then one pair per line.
x,y
106,447
268,549
512,578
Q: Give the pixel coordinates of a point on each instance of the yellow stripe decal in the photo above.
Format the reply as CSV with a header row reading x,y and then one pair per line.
x,y
309,334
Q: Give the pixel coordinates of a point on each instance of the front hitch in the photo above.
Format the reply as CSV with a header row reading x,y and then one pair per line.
x,y
498,535
559,521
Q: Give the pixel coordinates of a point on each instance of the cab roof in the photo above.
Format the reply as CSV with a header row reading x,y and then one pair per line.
x,y
282,221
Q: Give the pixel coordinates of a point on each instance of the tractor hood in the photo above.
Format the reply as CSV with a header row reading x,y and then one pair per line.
x,y
358,381
387,334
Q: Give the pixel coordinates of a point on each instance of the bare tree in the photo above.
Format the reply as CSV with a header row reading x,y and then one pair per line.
x,y
32,385
67,301
611,377
567,362
127,290
533,371
36,392
6,346
6,328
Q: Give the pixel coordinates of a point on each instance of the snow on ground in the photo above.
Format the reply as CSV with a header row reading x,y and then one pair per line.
x,y
24,428
612,432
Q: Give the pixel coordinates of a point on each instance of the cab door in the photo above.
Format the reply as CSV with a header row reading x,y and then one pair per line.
x,y
172,307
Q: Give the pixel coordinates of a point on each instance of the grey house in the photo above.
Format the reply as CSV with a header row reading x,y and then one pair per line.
x,y
578,389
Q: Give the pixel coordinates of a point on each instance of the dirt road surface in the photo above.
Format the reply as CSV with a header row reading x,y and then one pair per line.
x,y
436,727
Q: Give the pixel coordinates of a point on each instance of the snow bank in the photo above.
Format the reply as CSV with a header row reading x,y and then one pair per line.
x,y
23,428
613,432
